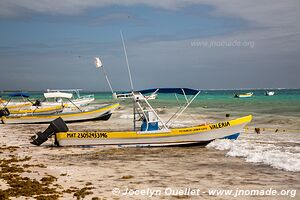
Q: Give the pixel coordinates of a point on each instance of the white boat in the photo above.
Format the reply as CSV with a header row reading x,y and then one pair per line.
x,y
128,95
77,99
246,95
153,131
270,93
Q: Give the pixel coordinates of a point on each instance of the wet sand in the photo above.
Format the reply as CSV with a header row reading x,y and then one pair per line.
x,y
92,173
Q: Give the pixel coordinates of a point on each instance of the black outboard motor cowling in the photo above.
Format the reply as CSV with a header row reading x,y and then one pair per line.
x,y
37,103
57,125
4,112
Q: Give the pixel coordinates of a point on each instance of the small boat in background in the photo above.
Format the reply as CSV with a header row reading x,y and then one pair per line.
x,y
37,110
87,114
269,93
12,104
27,106
246,95
128,95
73,94
44,112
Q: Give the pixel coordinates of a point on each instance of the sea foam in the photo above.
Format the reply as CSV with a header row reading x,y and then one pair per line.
x,y
270,154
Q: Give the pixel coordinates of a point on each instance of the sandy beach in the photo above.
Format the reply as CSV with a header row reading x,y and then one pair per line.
x,y
156,173
201,100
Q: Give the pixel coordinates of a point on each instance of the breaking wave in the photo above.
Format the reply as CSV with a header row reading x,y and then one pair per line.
x,y
285,158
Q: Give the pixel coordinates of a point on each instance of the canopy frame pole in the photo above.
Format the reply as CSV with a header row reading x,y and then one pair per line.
x,y
77,93
178,101
75,105
142,110
180,106
134,113
150,109
184,108
184,94
163,123
7,103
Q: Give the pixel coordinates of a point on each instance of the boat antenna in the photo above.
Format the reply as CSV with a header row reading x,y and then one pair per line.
x,y
128,68
99,64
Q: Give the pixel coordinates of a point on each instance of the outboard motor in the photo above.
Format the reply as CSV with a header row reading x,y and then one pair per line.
x,y
4,112
37,103
57,125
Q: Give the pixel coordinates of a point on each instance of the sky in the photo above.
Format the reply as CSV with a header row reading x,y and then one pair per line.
x,y
201,44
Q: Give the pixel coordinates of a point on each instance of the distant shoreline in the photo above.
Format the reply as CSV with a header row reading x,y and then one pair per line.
x,y
232,89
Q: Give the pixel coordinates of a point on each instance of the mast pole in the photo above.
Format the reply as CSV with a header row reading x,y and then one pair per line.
x,y
99,64
128,68
131,83
104,72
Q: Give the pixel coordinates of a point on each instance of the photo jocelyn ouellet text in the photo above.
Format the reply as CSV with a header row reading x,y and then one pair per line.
x,y
187,191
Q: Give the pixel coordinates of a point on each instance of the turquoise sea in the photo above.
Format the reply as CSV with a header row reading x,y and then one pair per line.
x,y
285,102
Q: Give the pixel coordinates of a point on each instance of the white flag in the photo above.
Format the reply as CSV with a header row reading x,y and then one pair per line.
x,y
98,62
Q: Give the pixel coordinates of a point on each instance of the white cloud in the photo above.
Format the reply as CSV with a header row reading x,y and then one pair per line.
x,y
271,13
273,26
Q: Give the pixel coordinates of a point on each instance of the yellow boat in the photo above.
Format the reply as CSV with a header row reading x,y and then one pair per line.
x,y
153,130
38,110
98,113
246,95
27,107
173,137
16,105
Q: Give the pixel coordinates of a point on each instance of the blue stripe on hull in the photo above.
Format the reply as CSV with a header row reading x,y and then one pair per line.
x,y
232,137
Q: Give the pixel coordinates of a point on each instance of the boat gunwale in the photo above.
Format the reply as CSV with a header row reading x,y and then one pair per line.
x,y
172,133
99,109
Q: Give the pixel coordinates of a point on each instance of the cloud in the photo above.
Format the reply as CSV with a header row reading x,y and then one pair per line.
x,y
261,13
17,8
271,24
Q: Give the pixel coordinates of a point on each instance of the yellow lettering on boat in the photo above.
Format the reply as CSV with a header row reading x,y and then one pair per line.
x,y
71,135
219,125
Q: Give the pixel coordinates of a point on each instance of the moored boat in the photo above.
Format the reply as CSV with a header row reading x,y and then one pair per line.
x,y
87,114
128,95
269,93
153,131
22,103
59,95
36,110
246,95
196,135
27,106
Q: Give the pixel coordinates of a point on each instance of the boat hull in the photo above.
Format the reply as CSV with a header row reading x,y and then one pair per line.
x,y
39,110
246,95
16,105
102,113
175,137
